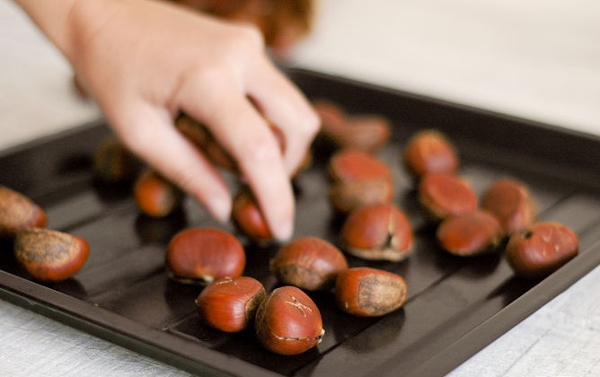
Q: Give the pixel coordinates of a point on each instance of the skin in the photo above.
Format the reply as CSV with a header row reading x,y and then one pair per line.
x,y
144,61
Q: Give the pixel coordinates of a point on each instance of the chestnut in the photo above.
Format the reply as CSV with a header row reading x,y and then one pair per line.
x,y
470,233
309,263
18,212
445,194
366,132
430,151
511,203
229,304
114,162
377,232
155,196
541,249
50,255
201,255
288,322
248,218
369,292
358,178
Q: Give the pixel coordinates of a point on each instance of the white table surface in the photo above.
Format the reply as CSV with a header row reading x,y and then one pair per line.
x,y
537,59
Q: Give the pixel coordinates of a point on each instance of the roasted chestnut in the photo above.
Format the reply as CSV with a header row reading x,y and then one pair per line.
x,y
444,194
511,203
18,212
541,249
369,292
229,304
202,255
248,217
155,196
309,263
288,322
50,255
469,234
430,151
377,232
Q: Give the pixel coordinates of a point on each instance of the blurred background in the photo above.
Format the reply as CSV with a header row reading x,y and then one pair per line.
x,y
538,59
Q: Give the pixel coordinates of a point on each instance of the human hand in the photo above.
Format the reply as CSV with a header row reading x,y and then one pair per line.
x,y
145,61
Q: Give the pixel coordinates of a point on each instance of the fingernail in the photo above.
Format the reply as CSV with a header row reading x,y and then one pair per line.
x,y
283,230
220,207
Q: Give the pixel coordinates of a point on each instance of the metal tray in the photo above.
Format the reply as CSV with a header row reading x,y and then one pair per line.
x,y
456,306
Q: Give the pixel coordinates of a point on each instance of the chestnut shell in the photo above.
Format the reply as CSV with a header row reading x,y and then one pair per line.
x,y
50,255
18,212
445,194
469,234
511,203
541,249
155,196
248,218
309,263
288,322
202,255
370,292
229,304
377,232
430,151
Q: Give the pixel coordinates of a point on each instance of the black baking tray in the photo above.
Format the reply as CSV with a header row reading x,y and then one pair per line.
x,y
456,306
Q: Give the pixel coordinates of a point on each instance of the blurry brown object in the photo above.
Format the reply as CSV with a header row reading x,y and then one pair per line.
x,y
511,203
443,195
114,162
367,132
282,22
430,151
18,212
470,234
155,196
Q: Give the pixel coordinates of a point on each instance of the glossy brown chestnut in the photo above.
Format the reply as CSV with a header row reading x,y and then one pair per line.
x,y
369,292
248,217
202,255
377,232
445,194
18,212
229,304
358,178
430,151
288,322
155,196
309,263
541,249
511,203
469,234
50,255
115,163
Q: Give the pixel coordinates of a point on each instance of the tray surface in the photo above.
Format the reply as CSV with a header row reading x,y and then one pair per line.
x,y
455,306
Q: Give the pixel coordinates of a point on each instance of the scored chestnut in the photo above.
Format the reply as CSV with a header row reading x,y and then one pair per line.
x,y
288,322
50,255
370,292
202,255
18,212
229,304
469,234
309,263
445,194
377,232
155,196
248,218
511,203
430,151
541,249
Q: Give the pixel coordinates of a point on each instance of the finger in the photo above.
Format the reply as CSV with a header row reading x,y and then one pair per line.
x,y
151,135
283,104
246,136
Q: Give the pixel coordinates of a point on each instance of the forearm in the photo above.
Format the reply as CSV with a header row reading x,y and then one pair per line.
x,y
68,23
